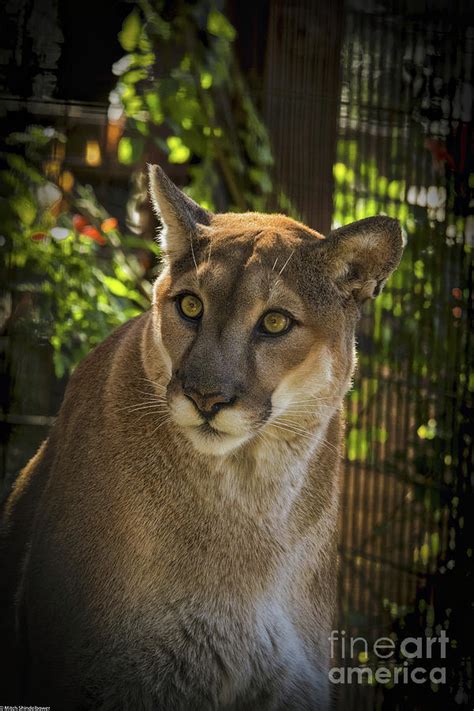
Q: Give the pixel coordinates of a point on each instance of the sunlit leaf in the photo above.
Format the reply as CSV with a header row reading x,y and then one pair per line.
x,y
425,553
206,80
153,103
115,286
130,33
129,149
435,543
178,152
219,25
24,207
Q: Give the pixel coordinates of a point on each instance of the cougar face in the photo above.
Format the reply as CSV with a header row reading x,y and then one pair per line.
x,y
257,347
255,318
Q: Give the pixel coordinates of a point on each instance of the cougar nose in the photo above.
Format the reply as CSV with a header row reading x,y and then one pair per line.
x,y
208,404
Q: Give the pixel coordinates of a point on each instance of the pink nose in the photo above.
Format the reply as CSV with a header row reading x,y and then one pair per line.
x,y
208,404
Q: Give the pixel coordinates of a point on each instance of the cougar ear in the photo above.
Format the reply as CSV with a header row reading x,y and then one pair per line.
x,y
362,255
179,215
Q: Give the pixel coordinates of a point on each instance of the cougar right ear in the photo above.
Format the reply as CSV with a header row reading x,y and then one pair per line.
x,y
179,215
362,255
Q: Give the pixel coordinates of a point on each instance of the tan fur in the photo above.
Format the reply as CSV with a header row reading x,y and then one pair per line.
x,y
154,563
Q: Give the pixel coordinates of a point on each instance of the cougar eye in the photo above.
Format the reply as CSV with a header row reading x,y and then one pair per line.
x,y
190,306
275,323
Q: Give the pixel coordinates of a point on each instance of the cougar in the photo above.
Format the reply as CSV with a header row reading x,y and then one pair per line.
x,y
173,543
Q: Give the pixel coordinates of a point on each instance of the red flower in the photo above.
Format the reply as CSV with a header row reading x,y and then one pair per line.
x,y
93,233
38,236
109,224
79,222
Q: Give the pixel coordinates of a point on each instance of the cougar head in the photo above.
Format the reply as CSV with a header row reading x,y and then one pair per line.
x,y
254,316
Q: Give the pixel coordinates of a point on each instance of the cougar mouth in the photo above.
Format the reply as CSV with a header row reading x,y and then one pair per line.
x,y
207,428
209,440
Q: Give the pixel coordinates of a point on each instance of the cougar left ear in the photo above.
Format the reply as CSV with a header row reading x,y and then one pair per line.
x,y
362,255
179,215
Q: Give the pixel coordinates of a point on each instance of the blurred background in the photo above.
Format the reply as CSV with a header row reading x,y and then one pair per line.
x,y
329,111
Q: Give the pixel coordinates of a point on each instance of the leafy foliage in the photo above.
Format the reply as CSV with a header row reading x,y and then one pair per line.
x,y
182,92
64,249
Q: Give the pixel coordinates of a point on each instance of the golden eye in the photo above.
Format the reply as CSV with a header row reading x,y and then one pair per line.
x,y
275,323
190,306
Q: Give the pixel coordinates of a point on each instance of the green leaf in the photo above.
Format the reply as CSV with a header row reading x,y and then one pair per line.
x,y
178,152
357,446
435,543
260,177
425,553
219,25
59,364
129,149
134,75
140,243
206,80
115,286
339,172
153,101
130,33
19,164
396,189
24,208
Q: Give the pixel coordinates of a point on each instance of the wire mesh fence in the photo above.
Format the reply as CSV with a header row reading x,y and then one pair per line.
x,y
406,538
